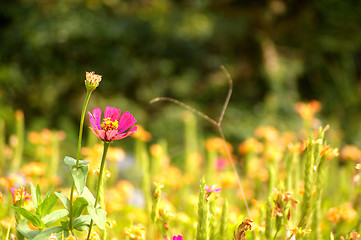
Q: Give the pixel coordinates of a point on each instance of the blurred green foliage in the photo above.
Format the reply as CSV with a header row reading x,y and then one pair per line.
x,y
277,52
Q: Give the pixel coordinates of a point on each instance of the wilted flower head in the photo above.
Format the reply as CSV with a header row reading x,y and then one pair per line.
x,y
114,125
19,194
92,80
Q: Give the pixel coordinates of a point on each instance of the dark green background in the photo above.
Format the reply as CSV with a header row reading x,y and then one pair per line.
x,y
151,48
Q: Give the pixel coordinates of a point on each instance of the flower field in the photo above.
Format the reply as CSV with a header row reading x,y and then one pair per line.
x,y
302,184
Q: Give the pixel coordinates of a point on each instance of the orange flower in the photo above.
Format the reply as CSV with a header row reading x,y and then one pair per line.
x,y
329,152
348,213
156,150
135,232
106,172
142,134
33,169
308,110
350,152
217,144
354,236
8,223
333,215
250,145
268,133
1,197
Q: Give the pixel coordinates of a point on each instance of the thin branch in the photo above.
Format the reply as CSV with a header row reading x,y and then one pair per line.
x,y
216,124
190,108
228,76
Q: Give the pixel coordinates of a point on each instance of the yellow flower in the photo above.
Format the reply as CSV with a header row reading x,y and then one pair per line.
x,y
135,232
333,215
354,236
348,213
308,110
250,145
329,152
33,169
268,133
350,152
106,172
142,134
217,144
8,223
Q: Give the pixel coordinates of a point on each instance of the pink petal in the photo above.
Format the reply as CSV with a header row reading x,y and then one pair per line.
x,y
124,135
126,121
99,133
112,112
97,115
110,134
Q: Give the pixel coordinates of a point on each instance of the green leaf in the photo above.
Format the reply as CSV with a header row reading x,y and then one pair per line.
x,y
88,196
49,192
47,205
63,199
34,195
98,215
72,162
35,220
44,235
82,222
65,224
79,176
38,195
24,229
54,216
79,206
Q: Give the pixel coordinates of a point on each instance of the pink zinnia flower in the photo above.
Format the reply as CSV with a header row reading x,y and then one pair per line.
x,y
114,125
19,194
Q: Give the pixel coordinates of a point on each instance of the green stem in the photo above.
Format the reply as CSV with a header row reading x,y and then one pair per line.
x,y
100,182
87,97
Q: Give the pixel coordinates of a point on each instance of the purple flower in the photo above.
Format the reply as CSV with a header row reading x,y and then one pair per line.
x,y
114,125
212,188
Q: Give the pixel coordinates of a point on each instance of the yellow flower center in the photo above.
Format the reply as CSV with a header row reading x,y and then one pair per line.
x,y
108,124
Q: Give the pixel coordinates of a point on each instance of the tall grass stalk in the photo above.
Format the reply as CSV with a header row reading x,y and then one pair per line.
x,y
203,214
224,222
308,181
155,207
321,178
271,182
212,219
